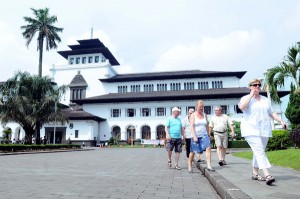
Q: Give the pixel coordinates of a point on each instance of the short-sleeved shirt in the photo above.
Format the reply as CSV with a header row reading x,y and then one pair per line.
x,y
256,118
187,127
174,126
220,123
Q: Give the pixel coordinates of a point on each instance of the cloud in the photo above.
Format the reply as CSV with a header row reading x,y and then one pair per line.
x,y
211,53
13,56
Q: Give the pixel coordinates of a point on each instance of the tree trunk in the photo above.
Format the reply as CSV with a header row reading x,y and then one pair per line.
x,y
41,56
38,133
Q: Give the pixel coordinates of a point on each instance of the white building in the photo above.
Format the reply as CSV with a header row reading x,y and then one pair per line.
x,y
134,105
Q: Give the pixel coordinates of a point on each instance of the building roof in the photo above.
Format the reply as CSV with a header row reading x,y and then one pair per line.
x,y
90,46
196,94
172,75
78,81
80,115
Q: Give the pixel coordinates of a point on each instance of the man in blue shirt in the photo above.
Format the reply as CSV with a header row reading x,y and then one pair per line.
x,y
174,133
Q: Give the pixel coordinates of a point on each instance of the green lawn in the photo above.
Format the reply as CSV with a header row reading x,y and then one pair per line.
x,y
285,158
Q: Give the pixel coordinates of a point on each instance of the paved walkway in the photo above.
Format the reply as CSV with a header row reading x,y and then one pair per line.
x,y
100,173
238,172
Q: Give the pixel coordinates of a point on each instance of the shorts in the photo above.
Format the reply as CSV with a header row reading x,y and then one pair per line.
x,y
221,139
174,143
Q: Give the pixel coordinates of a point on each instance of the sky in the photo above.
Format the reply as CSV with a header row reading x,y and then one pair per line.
x,y
159,35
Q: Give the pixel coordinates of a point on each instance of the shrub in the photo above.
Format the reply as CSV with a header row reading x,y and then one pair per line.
x,y
280,140
238,144
111,141
295,136
24,147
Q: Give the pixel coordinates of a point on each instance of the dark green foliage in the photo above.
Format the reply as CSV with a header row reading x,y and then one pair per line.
x,y
237,131
280,140
293,109
26,148
295,136
111,141
238,144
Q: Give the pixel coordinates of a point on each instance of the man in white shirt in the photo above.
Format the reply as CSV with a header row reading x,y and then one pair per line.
x,y
219,124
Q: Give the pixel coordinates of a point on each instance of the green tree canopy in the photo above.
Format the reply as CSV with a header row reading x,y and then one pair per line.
x,y
42,24
288,70
30,102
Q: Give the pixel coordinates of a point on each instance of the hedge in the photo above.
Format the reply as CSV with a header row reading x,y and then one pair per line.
x,y
281,140
238,144
24,147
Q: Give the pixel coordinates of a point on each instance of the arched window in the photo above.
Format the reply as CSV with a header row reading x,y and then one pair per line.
x,y
160,132
131,132
116,132
146,132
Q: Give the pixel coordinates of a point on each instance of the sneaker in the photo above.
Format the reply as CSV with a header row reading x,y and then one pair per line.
x,y
177,167
200,161
210,169
221,162
224,163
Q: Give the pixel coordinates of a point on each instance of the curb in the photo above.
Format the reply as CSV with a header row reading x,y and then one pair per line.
x,y
37,152
224,188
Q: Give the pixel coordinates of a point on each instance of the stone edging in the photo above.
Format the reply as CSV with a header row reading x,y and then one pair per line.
x,y
223,187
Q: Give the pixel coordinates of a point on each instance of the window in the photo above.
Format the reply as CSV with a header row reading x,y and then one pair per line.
x,y
116,112
122,89
103,59
160,112
146,112
175,86
217,84
77,60
148,88
188,108
96,59
207,110
130,112
237,109
224,109
83,60
76,133
71,61
203,85
90,59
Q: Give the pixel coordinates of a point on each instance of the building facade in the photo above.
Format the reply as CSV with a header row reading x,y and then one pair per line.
x,y
106,104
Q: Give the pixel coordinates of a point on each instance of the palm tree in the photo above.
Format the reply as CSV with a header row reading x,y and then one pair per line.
x,y
289,69
31,103
42,24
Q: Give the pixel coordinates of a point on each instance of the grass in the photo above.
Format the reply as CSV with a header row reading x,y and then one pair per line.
x,y
288,158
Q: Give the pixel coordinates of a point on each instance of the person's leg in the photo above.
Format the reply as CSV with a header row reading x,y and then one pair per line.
x,y
178,150
218,143
258,145
190,161
187,146
169,147
224,146
205,144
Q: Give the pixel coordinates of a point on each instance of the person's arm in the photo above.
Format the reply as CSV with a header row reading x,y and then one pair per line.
x,y
167,133
207,129
210,126
232,130
276,117
192,123
245,101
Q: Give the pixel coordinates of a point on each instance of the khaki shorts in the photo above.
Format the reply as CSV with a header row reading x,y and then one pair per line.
x,y
221,139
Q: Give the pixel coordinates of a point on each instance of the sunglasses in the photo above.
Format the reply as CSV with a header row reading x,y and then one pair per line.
x,y
255,85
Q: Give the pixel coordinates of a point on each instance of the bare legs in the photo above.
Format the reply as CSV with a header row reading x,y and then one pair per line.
x,y
221,151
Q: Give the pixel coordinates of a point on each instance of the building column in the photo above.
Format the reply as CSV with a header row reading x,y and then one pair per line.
x,y
153,135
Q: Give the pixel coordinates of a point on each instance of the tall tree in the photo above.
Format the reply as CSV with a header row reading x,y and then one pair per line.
x,y
30,103
42,24
288,70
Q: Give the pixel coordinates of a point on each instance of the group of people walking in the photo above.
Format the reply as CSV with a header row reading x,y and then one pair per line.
x,y
195,131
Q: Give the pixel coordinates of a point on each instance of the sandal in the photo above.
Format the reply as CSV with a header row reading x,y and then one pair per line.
x,y
224,163
177,167
169,163
269,179
221,162
190,169
210,169
258,177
